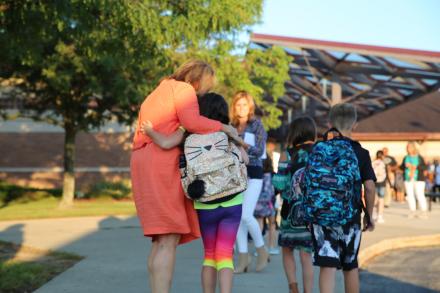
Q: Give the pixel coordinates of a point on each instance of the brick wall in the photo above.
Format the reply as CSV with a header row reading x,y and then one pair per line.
x,y
44,151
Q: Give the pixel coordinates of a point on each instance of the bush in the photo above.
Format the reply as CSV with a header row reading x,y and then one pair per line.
x,y
116,190
13,193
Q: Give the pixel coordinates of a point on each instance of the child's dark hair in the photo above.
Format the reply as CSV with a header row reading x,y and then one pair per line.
x,y
214,106
301,129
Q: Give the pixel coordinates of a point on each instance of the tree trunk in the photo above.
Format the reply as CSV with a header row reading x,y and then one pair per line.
x,y
69,172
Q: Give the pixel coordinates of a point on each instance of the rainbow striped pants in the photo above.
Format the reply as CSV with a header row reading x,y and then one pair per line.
x,y
219,230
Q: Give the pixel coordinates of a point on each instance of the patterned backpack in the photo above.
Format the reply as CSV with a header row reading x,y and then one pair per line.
x,y
212,167
332,194
295,194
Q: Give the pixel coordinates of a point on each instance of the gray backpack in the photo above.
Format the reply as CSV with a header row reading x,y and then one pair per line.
x,y
212,167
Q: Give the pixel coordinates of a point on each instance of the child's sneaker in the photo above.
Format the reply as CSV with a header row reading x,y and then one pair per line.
x,y
274,250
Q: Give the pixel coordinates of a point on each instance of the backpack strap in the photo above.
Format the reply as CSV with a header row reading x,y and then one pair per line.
x,y
333,129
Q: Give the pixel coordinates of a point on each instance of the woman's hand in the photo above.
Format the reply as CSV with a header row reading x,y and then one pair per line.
x,y
233,134
229,130
146,127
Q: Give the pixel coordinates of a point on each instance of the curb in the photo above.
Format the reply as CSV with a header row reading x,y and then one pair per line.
x,y
369,253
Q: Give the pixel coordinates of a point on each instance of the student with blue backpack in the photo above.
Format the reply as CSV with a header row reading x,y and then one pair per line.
x,y
336,170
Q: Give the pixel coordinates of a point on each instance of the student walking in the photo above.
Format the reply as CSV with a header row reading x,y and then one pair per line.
x,y
414,168
380,170
164,213
333,176
391,166
219,219
294,235
252,131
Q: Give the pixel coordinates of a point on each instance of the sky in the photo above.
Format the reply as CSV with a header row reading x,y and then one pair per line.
x,y
412,24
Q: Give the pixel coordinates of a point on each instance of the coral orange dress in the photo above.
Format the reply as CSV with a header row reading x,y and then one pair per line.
x,y
161,205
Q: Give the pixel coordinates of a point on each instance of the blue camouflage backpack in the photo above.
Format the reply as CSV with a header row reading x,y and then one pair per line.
x,y
332,182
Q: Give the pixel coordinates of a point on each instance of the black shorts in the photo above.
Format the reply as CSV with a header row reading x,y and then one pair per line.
x,y
336,247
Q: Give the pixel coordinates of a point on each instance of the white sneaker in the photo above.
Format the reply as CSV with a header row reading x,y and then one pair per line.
x,y
380,220
274,250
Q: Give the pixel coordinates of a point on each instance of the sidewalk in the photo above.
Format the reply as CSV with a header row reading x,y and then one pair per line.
x,y
116,252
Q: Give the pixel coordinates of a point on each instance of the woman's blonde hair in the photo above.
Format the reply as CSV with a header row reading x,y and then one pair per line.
x,y
414,145
196,71
238,96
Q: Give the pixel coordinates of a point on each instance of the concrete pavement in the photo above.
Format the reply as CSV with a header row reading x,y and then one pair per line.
x,y
115,253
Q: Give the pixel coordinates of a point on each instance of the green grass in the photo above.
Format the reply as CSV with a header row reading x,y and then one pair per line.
x,y
48,208
18,276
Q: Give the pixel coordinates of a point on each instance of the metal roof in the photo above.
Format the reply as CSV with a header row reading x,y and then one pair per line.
x,y
374,78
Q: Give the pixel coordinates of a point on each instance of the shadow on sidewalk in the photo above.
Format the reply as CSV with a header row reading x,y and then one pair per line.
x,y
374,283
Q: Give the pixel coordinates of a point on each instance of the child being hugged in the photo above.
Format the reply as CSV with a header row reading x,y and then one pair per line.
x,y
293,231
218,219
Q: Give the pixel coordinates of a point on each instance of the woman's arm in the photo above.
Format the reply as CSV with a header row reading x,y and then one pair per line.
x,y
187,109
244,155
260,141
165,142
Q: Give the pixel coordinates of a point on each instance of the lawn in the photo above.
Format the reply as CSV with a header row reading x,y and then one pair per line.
x,y
24,269
48,208
103,199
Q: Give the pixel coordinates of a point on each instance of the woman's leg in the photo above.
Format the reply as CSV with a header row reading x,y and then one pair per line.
x,y
289,264
420,194
307,271
248,221
162,262
409,188
208,221
151,258
226,236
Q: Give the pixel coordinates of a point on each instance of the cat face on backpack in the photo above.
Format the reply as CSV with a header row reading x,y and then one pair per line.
x,y
202,149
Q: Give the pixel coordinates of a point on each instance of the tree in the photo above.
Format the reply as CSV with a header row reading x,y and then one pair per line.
x,y
81,63
261,73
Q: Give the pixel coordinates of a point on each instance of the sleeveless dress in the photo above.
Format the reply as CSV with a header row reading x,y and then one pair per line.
x,y
161,205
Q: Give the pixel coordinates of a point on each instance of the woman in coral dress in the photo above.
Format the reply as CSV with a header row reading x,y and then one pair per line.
x,y
164,212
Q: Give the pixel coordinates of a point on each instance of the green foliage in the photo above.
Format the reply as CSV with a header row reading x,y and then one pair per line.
x,y
13,193
115,190
89,61
261,73
81,63
18,276
21,277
